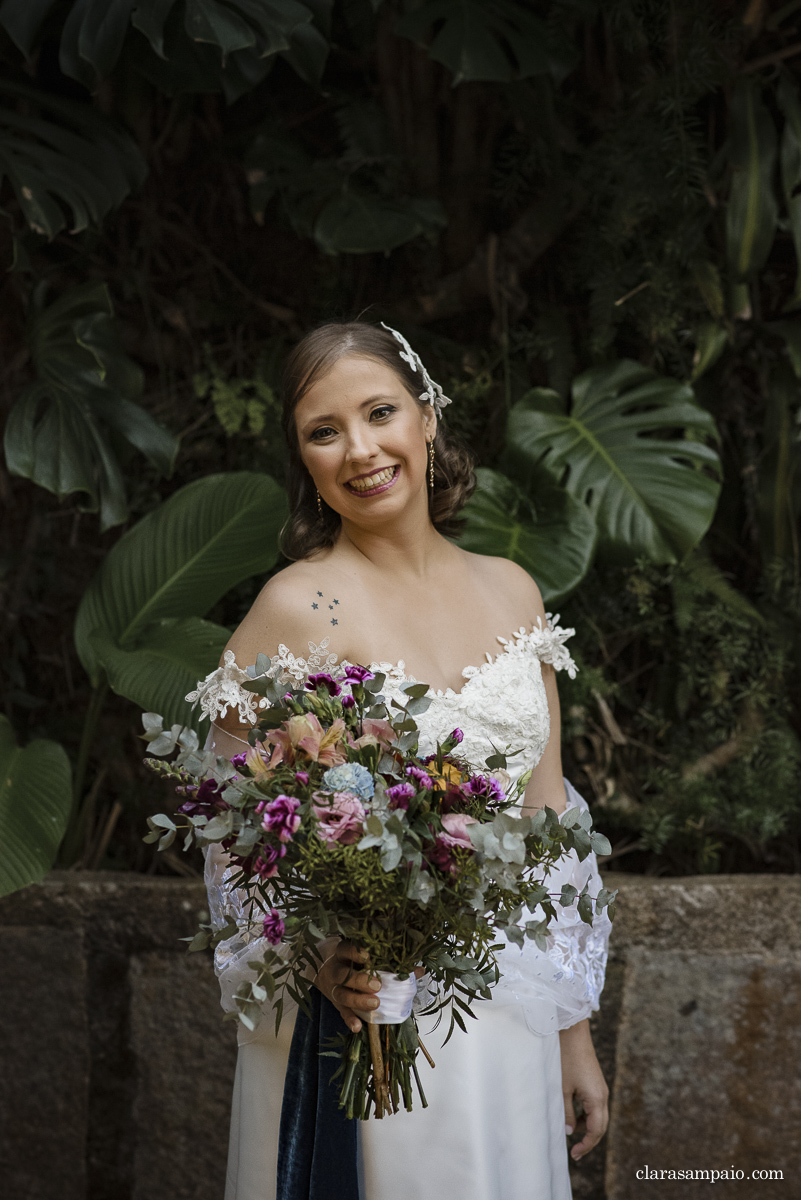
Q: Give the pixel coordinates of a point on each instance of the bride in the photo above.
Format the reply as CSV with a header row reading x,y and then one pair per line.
x,y
375,485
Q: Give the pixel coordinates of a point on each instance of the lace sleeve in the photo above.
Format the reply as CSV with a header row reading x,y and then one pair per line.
x,y
548,643
562,985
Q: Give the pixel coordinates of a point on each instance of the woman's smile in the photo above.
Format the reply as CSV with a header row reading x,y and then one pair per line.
x,y
372,484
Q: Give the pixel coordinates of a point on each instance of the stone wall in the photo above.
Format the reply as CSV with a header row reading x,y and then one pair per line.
x,y
116,1069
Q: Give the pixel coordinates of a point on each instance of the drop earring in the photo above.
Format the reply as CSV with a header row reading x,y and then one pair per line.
x,y
431,465
319,505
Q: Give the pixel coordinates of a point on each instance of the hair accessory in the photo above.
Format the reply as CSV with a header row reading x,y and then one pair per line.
x,y
432,392
431,464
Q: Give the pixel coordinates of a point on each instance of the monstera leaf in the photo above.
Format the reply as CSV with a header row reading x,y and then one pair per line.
x,y
64,158
62,431
94,32
138,620
500,41
629,448
35,799
552,536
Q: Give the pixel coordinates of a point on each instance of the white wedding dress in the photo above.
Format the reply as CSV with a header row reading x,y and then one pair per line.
x,y
494,1128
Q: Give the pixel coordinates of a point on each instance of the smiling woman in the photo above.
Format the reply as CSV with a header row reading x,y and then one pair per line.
x,y
376,484
360,366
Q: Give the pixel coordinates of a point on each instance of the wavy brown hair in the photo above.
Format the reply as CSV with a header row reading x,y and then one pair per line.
x,y
454,478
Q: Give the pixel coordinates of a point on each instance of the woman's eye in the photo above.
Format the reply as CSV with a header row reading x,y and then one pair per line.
x,y
383,410
321,433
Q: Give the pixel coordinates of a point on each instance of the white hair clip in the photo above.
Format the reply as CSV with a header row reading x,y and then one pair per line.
x,y
432,392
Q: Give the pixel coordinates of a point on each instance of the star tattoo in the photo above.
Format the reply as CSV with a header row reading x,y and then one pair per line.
x,y
319,593
314,605
334,621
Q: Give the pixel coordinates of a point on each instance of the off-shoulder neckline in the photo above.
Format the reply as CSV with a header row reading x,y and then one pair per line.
x,y
396,671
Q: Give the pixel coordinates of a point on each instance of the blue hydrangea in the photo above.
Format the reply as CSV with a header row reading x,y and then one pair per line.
x,y
350,777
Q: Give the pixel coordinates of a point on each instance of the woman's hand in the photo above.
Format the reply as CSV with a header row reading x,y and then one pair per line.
x,y
351,990
583,1081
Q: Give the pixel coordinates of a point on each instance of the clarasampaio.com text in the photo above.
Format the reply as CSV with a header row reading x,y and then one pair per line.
x,y
711,1174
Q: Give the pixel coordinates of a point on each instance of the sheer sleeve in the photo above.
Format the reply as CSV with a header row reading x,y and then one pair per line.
x,y
562,985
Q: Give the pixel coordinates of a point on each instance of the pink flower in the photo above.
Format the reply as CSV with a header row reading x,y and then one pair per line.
x,y
421,778
274,927
304,732
375,733
340,815
281,817
454,836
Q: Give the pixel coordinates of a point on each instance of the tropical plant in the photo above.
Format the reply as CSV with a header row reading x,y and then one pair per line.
x,y
35,799
566,207
65,430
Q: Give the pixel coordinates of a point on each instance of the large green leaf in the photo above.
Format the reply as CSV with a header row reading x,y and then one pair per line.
x,y
751,213
356,222
498,41
787,94
629,449
779,477
94,32
69,159
180,559
552,537
61,432
168,659
35,799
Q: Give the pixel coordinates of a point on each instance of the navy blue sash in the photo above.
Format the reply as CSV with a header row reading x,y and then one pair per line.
x,y
317,1142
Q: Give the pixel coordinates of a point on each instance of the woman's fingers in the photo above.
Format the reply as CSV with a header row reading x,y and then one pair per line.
x,y
596,1118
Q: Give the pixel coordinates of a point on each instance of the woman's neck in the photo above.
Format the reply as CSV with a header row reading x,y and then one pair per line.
x,y
409,547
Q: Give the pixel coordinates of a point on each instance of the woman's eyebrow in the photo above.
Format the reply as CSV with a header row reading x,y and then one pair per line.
x,y
333,416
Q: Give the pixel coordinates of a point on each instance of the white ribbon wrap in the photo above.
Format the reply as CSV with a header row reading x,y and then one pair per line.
x,y
396,998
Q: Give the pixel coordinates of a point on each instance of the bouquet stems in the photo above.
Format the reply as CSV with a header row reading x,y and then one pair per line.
x,y
378,1068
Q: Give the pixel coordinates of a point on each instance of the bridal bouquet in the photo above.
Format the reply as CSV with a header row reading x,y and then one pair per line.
x,y
336,827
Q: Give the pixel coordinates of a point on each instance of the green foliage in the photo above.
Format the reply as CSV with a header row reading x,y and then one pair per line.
x,y
35,798
549,533
710,761
69,158
354,203
649,491
238,402
501,41
249,33
67,430
752,210
137,622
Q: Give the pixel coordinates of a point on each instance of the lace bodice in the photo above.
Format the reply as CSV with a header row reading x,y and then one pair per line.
x,y
502,706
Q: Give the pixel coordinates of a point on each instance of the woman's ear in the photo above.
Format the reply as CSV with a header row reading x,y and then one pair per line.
x,y
430,423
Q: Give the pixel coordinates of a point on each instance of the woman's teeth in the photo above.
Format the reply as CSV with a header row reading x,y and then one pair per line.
x,y
372,481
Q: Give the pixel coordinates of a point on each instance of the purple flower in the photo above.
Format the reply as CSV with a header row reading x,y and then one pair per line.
x,y
348,702
287,696
423,778
457,736
238,760
266,864
302,777
204,800
281,817
454,836
486,787
399,795
273,927
357,674
323,681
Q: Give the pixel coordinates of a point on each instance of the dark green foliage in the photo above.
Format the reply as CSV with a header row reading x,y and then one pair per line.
x,y
539,194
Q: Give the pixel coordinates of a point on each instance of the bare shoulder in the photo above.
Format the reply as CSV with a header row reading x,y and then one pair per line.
x,y
513,581
299,606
